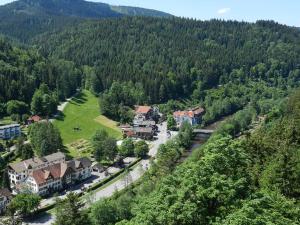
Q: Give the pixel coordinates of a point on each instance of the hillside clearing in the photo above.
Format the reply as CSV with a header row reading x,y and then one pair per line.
x,y
80,120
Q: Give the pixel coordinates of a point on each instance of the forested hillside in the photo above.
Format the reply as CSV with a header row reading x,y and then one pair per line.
x,y
22,72
174,57
221,65
24,19
136,11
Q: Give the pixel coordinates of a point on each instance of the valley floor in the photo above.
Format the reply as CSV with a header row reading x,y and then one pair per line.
x,y
123,181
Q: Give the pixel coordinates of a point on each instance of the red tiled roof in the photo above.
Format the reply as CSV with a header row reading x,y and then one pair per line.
x,y
35,118
129,133
183,113
41,175
190,113
143,109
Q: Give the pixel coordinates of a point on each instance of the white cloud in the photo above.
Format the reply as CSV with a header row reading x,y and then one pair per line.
x,y
224,11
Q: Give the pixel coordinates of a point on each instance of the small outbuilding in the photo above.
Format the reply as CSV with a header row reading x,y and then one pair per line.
x,y
34,119
98,168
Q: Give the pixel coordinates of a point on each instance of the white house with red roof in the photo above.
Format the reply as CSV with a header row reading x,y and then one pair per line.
x,y
144,112
48,174
192,116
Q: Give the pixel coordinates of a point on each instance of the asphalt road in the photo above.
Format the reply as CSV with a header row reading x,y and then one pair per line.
x,y
120,184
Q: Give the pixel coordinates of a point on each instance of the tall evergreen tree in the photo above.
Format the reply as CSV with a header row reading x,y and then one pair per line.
x,y
69,211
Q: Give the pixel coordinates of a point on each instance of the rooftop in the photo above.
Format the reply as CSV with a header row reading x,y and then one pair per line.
x,y
143,129
54,171
9,126
36,162
59,170
78,163
143,109
190,113
144,122
5,193
35,118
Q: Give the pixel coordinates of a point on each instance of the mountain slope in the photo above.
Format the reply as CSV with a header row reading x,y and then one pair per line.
x,y
135,11
171,56
25,19
75,8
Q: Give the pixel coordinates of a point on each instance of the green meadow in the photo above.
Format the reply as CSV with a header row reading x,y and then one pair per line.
x,y
80,120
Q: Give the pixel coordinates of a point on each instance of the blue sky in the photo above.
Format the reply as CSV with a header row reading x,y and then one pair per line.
x,y
283,11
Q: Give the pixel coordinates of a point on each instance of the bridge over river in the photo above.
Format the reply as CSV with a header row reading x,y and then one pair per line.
x,y
202,133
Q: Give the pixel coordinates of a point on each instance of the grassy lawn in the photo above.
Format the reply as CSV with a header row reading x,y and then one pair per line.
x,y
6,121
79,121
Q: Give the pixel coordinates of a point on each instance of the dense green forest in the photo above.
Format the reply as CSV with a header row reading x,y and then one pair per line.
x,y
221,65
174,57
22,71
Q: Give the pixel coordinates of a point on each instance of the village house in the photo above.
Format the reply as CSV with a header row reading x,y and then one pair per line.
x,y
146,133
57,176
5,198
145,116
19,171
44,175
144,125
193,116
10,131
144,112
33,119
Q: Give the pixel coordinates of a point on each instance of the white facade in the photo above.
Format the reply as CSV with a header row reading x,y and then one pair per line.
x,y
48,174
43,189
83,174
18,172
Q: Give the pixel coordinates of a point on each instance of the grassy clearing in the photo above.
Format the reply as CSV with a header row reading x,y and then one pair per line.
x,y
79,121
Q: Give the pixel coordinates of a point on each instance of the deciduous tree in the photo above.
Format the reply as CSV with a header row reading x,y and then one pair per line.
x,y
141,149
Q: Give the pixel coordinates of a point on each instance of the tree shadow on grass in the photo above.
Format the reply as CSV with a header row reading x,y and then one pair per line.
x,y
60,116
39,218
66,151
80,98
